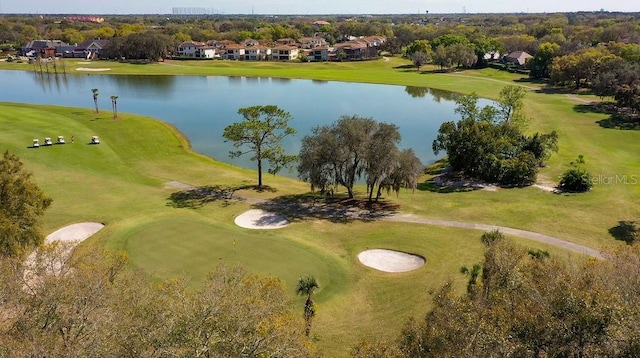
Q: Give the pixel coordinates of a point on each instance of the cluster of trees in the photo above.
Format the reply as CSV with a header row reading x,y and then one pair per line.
x,y
619,79
339,154
148,45
527,304
610,70
353,147
91,305
488,143
451,50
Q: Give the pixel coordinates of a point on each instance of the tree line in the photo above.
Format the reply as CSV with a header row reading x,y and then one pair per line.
x,y
521,303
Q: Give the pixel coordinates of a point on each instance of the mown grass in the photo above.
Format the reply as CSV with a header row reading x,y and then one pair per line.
x,y
122,182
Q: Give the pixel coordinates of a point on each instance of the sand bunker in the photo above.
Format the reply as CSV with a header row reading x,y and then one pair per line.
x,y
74,232
92,69
260,219
69,237
390,261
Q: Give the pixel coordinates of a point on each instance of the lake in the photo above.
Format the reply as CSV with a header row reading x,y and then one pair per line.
x,y
202,106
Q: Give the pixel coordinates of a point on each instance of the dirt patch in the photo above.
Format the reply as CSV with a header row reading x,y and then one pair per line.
x,y
390,260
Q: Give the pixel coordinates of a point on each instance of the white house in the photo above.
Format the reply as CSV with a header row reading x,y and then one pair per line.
x,y
257,53
284,53
234,52
192,49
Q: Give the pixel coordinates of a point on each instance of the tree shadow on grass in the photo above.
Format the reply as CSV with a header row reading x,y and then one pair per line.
x,y
338,209
405,66
445,181
620,122
626,230
434,186
619,118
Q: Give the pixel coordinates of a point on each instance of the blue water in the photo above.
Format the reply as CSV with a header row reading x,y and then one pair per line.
x,y
202,106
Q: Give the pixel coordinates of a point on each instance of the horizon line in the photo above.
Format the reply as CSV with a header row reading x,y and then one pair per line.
x,y
326,14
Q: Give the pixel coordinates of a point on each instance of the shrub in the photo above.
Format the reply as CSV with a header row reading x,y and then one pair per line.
x,y
576,179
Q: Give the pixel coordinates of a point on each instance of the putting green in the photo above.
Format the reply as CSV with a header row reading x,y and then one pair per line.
x,y
193,247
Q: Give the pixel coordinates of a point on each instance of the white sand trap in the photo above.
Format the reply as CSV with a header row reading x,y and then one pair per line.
x,y
69,237
84,63
92,69
260,219
390,261
74,232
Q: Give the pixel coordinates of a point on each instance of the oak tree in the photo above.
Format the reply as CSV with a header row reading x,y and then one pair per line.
x,y
22,203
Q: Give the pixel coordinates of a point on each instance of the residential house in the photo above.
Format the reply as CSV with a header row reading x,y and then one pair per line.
x,y
356,50
90,49
220,44
319,54
44,48
193,49
321,23
492,56
311,42
249,43
234,52
375,41
518,58
189,49
284,53
257,53
95,19
286,41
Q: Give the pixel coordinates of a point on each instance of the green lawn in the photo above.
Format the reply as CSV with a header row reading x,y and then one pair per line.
x,y
122,183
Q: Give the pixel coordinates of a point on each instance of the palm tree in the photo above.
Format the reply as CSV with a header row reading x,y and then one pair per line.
x,y
114,104
95,98
306,286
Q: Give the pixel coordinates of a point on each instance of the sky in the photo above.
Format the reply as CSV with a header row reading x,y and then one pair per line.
x,y
312,7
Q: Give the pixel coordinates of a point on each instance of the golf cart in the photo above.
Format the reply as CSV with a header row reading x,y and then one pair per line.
x,y
36,143
47,141
95,140
60,140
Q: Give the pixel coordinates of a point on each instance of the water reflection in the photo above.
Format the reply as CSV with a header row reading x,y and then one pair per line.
x,y
437,94
280,80
134,86
161,86
416,92
51,81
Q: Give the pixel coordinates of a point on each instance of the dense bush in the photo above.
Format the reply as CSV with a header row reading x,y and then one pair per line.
x,y
488,143
576,179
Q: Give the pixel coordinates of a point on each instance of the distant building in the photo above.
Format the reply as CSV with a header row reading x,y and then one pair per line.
x,y
518,58
90,49
94,19
193,49
44,48
284,53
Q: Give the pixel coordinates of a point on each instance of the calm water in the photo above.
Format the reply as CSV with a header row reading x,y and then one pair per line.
x,y
201,106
